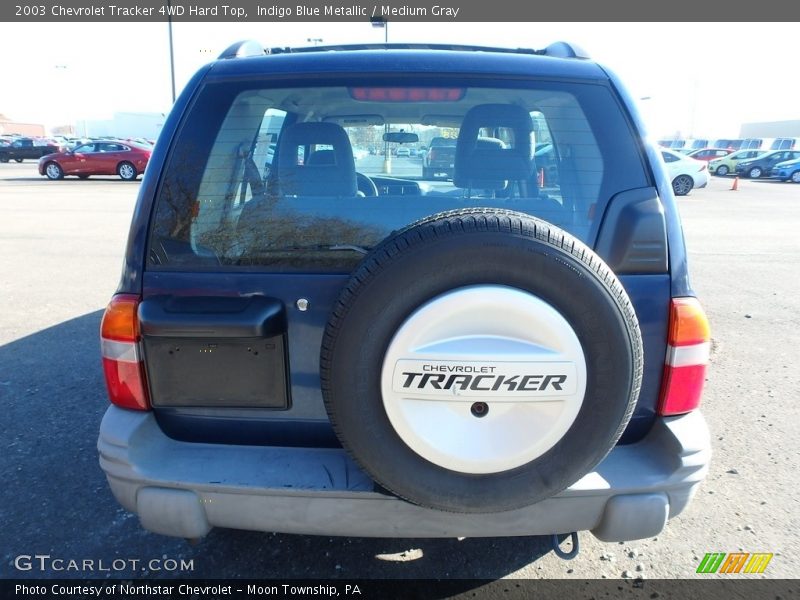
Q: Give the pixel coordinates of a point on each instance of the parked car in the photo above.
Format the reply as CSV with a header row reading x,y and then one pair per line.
x,y
321,349
438,161
673,144
708,154
778,143
101,157
21,148
787,171
685,173
729,143
761,166
727,164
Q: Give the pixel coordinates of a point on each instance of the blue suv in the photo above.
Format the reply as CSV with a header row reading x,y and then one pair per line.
x,y
308,341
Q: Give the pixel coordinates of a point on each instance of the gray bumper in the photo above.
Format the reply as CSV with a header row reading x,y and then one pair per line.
x,y
185,489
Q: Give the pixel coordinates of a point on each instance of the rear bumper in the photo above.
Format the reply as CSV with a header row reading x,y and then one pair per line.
x,y
184,489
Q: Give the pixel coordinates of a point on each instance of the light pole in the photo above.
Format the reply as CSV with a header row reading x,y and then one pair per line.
x,y
381,22
171,52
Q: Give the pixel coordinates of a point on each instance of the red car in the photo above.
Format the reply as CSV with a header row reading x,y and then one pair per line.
x,y
707,154
102,157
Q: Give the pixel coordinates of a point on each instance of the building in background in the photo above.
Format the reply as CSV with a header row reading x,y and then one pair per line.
x,y
9,127
123,125
770,129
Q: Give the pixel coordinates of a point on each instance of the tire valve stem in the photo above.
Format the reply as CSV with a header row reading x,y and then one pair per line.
x,y
479,409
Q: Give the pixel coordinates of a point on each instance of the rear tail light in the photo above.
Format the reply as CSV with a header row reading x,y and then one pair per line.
x,y
689,341
431,154
122,361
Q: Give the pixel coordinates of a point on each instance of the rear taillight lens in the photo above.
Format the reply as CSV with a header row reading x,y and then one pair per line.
x,y
122,362
689,340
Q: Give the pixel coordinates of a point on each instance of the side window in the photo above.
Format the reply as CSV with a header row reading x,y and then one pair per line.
x,y
568,161
84,148
238,169
668,157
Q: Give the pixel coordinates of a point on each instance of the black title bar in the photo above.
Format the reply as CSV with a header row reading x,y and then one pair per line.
x,y
408,589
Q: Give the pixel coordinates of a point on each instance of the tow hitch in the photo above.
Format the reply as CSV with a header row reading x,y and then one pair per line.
x,y
561,553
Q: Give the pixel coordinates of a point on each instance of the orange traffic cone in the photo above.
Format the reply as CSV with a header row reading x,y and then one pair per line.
x,y
735,185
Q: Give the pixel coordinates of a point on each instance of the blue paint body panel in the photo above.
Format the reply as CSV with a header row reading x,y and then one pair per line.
x,y
650,293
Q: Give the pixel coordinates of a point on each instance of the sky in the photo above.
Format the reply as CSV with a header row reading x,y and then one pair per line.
x,y
690,79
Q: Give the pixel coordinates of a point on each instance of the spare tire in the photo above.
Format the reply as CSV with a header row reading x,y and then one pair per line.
x,y
480,361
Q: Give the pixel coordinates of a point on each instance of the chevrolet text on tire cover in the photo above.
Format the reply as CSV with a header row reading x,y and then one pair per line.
x,y
461,361
404,291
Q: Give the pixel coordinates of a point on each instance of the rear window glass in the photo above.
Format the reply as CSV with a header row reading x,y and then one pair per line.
x,y
298,178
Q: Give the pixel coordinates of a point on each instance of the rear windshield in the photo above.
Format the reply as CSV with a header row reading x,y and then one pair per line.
x,y
298,178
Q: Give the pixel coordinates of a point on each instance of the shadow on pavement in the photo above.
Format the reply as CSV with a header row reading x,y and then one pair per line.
x,y
55,500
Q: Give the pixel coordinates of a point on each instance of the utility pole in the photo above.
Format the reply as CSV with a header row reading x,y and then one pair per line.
x,y
171,52
387,156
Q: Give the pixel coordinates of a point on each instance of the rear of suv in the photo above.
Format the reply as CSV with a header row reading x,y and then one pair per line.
x,y
299,345
439,160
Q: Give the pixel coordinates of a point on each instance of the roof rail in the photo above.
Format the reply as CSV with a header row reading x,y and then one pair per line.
x,y
242,49
252,48
399,46
565,50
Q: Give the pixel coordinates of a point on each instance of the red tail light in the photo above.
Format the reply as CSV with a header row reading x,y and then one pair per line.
x,y
411,94
431,154
122,362
687,357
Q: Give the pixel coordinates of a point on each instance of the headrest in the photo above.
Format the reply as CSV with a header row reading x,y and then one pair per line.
x,y
483,163
332,174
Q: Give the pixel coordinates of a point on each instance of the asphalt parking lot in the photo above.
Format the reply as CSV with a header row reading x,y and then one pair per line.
x,y
61,244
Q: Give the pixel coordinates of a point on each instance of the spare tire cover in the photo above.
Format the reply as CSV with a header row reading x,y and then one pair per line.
x,y
480,360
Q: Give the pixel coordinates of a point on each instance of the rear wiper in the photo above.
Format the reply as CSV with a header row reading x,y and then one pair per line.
x,y
351,247
333,247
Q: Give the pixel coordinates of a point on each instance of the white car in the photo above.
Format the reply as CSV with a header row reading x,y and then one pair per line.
x,y
684,172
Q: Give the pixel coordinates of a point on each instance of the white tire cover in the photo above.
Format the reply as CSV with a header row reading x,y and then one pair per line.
x,y
487,344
